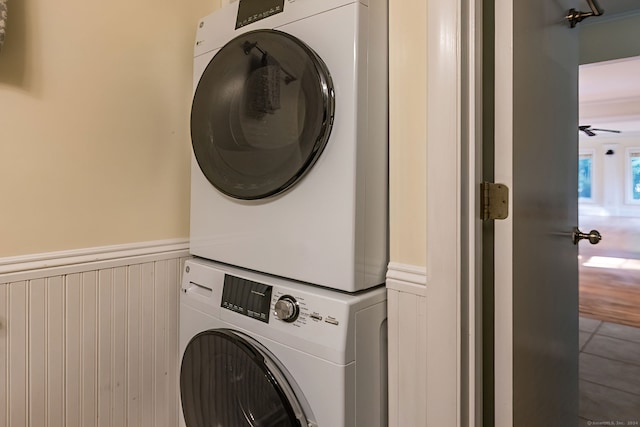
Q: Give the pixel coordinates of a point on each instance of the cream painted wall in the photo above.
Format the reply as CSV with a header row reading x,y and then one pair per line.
x,y
94,108
408,131
94,105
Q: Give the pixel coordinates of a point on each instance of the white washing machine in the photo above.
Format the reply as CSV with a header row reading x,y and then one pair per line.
x,y
290,140
261,351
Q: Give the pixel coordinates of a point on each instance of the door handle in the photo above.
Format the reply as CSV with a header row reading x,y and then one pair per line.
x,y
593,236
575,16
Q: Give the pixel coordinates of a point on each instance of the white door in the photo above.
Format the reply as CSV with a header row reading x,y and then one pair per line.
x,y
536,275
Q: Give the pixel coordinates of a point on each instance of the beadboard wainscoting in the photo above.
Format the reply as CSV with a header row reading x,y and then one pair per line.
x,y
407,314
90,338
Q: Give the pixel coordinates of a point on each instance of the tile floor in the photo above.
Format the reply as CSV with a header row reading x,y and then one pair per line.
x,y
609,374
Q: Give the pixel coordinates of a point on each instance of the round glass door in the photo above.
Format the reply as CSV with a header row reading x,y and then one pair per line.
x,y
225,380
261,114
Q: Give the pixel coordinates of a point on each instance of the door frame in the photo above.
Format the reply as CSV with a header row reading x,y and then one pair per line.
x,y
453,225
435,342
503,299
453,314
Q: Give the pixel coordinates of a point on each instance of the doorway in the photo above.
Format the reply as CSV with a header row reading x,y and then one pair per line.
x,y
609,272
535,286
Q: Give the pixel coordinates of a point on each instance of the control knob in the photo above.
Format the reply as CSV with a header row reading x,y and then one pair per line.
x,y
286,309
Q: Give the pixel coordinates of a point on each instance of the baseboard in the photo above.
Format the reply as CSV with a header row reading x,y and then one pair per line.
x,y
30,267
407,278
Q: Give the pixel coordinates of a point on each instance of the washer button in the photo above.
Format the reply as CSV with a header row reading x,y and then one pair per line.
x,y
331,320
315,316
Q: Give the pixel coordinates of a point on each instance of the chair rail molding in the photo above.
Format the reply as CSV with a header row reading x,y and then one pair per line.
x,y
407,278
27,267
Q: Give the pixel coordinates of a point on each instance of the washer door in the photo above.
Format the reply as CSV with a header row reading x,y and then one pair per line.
x,y
228,379
261,114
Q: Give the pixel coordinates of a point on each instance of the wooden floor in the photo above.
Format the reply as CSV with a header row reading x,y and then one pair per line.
x,y
610,290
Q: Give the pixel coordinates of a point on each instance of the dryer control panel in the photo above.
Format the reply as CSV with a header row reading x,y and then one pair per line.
x,y
250,11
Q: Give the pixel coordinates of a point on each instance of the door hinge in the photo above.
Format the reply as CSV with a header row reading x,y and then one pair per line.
x,y
494,201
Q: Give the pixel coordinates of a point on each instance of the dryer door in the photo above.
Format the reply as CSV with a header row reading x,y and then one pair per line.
x,y
229,379
262,114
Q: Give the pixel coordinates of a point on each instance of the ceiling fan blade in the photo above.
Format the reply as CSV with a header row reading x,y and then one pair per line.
x,y
606,130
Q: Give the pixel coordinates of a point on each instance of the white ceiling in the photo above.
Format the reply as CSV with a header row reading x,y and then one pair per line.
x,y
610,94
610,80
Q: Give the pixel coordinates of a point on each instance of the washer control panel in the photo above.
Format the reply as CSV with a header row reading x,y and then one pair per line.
x,y
253,299
316,321
263,302
305,310
283,305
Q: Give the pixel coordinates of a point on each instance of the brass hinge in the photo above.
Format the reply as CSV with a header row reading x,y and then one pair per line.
x,y
494,201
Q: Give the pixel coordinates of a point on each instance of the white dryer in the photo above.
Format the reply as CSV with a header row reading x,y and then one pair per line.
x,y
260,351
290,140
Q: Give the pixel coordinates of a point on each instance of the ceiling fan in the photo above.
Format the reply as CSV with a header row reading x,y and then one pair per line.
x,y
592,131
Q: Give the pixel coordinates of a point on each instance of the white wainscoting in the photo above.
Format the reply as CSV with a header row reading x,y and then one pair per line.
x,y
91,342
407,314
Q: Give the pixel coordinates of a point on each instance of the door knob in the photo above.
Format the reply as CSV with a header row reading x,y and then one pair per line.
x,y
593,236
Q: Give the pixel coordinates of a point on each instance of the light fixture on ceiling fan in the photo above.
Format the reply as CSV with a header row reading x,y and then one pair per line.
x,y
592,131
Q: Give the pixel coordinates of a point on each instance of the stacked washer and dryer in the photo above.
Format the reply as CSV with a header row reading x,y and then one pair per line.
x,y
283,308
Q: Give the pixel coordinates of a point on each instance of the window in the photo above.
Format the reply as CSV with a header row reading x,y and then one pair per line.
x,y
633,175
585,175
